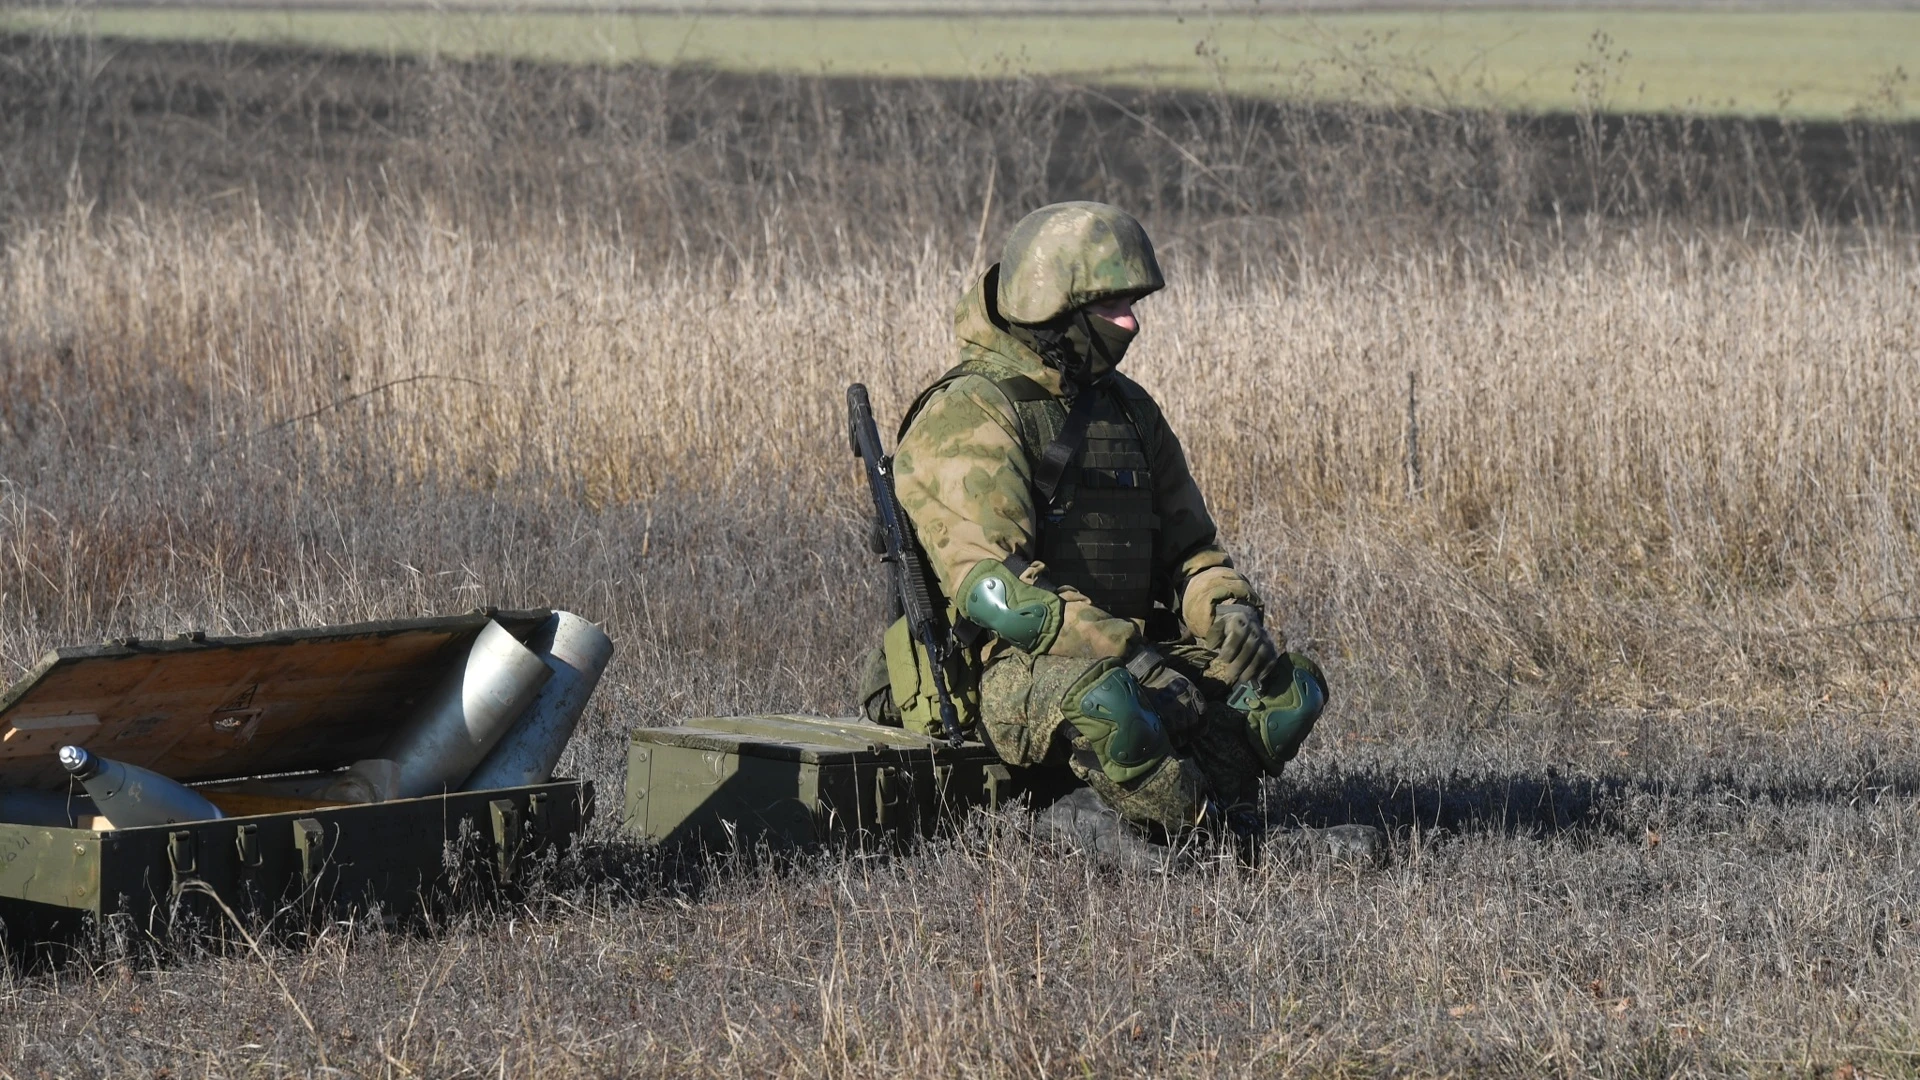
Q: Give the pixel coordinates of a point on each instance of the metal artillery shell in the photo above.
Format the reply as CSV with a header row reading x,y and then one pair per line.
x,y
577,652
458,723
130,796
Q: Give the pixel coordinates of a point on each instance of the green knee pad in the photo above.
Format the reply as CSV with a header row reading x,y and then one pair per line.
x,y
1107,707
1280,716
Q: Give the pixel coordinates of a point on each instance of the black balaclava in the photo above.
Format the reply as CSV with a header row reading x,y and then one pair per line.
x,y
1081,346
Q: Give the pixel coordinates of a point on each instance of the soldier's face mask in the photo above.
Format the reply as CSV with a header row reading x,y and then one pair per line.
x,y
1083,346
1100,341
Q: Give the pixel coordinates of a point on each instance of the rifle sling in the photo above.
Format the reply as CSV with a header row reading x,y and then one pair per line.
x,y
1052,467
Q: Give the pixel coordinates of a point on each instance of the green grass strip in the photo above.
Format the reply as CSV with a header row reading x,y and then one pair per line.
x,y
1799,64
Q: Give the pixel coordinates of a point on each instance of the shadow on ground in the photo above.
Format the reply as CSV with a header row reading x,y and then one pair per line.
x,y
1553,802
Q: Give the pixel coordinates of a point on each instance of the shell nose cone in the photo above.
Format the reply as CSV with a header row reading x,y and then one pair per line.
x,y
75,758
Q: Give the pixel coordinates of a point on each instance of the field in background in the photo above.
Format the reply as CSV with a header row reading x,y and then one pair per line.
x,y
1583,450
1814,63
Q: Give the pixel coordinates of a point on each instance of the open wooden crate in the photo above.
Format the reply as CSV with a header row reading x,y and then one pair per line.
x,y
258,725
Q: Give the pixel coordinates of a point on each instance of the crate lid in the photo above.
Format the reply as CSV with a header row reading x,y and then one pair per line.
x,y
211,708
811,739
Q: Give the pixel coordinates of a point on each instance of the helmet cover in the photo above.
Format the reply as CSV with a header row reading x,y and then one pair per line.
x,y
1067,255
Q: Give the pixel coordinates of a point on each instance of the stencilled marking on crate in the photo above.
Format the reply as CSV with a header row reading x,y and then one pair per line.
x,y
236,720
40,864
240,701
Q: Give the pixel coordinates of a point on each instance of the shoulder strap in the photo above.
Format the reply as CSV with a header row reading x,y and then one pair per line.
x,y
1015,387
1021,388
1051,467
1137,404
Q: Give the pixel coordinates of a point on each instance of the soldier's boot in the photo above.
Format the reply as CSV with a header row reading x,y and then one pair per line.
x,y
1220,748
1236,813
1361,846
1081,822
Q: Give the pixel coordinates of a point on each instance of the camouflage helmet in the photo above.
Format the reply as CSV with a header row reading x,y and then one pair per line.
x,y
1070,254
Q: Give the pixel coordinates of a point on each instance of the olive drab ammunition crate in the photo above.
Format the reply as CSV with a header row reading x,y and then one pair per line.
x,y
257,725
792,781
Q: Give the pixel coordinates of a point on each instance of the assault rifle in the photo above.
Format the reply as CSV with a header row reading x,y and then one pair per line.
x,y
892,538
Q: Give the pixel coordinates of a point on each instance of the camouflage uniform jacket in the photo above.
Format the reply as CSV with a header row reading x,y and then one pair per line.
x,y
964,476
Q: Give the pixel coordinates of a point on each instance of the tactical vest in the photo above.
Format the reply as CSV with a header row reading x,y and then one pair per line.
x,y
1099,535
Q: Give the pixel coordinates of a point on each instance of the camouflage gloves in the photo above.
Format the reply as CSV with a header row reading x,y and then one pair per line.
x,y
1245,653
1282,694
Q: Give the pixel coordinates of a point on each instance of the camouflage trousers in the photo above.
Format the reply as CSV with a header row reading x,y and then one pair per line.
x,y
1022,718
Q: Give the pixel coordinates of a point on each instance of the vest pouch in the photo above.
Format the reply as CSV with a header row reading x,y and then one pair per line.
x,y
910,671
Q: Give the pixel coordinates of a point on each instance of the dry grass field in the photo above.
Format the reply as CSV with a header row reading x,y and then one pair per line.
x,y
1583,451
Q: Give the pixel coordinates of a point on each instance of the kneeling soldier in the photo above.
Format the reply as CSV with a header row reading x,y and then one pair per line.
x,y
1106,629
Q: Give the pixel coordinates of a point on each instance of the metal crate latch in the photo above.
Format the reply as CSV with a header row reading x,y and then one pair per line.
x,y
890,793
999,785
182,856
246,845
310,841
539,817
506,834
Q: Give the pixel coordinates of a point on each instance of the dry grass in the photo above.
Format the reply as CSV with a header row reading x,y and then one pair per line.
x,y
1624,636
1638,438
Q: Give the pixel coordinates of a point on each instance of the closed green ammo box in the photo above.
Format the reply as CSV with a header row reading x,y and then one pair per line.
x,y
793,781
257,725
